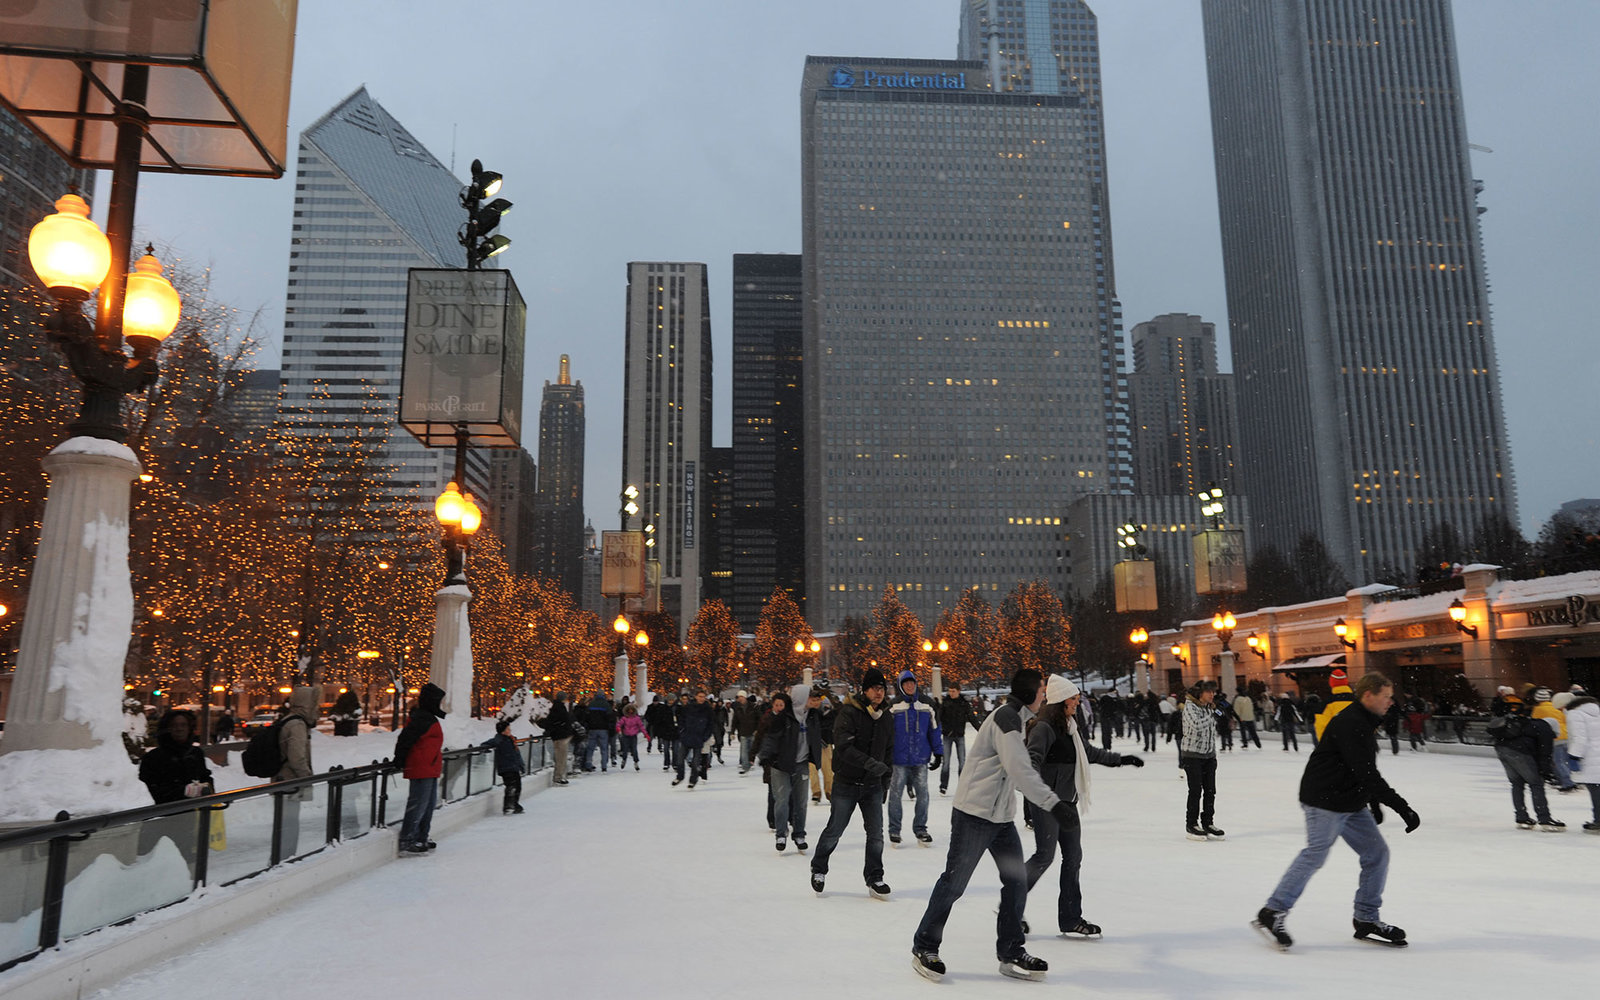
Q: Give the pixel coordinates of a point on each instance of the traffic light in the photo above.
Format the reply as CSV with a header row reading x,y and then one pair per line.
x,y
478,235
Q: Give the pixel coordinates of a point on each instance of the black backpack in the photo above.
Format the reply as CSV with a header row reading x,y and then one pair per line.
x,y
263,758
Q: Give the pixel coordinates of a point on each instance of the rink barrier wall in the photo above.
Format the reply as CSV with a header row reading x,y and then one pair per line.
x,y
75,877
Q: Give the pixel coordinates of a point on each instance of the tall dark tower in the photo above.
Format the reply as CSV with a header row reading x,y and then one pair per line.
x,y
1368,388
559,508
769,532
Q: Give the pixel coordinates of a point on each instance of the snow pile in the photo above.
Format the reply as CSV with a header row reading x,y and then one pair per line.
x,y
39,783
89,664
1546,588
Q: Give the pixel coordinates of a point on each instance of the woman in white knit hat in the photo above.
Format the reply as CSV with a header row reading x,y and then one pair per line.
x,y
1061,756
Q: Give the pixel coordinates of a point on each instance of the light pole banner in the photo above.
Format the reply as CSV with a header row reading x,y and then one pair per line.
x,y
621,563
463,358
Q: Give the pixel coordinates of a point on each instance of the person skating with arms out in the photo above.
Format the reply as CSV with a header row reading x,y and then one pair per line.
x,y
982,822
863,740
1343,795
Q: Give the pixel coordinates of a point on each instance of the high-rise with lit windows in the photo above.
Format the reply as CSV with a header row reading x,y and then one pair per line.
x,y
558,535
666,421
1369,398
962,381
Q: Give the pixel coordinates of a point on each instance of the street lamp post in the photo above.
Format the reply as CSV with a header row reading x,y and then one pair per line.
x,y
1140,637
807,670
1223,623
451,667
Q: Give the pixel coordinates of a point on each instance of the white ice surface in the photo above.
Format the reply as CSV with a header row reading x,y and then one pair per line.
x,y
620,885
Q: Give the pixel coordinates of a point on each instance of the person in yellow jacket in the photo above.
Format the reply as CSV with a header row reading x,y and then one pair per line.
x,y
1544,708
1339,699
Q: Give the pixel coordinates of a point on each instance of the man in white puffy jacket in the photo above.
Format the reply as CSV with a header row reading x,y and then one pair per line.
x,y
1583,747
981,822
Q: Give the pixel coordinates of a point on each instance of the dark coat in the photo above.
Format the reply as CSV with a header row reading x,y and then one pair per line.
x,y
862,745
168,767
601,716
1342,773
745,718
1054,756
420,747
506,756
780,746
955,715
558,724
662,720
694,723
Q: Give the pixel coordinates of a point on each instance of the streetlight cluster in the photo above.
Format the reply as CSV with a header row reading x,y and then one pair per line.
x,y
478,236
460,517
1211,505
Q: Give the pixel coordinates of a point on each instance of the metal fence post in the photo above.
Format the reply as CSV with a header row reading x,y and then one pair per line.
x,y
55,887
277,828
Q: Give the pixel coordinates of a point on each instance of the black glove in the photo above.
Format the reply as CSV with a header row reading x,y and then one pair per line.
x,y
1410,816
1065,815
1129,760
1377,813
877,768
937,762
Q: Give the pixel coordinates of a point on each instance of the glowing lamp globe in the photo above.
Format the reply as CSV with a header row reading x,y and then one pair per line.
x,y
642,639
799,645
471,515
449,507
150,307
68,251
620,626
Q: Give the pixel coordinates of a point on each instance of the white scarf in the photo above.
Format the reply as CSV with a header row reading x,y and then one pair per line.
x,y
1081,765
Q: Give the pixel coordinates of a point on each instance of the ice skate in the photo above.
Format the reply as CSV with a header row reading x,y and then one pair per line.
x,y
928,965
1379,933
1024,966
1274,926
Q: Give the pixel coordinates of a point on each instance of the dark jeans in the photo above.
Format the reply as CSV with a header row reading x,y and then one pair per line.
x,y
1247,732
1149,726
846,799
1523,771
598,740
1287,729
959,745
694,757
1046,833
630,745
513,782
670,751
419,811
1202,774
970,839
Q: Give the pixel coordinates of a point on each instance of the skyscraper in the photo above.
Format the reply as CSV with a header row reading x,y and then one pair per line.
x,y
716,531
511,505
1181,408
1369,399
370,202
32,177
559,533
959,384
666,419
769,541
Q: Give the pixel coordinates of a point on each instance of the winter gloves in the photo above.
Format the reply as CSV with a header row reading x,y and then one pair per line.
x,y
876,768
1406,813
1129,760
937,762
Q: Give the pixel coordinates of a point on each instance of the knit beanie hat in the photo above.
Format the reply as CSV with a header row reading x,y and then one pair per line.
x,y
1058,688
1563,699
1541,694
1338,677
873,677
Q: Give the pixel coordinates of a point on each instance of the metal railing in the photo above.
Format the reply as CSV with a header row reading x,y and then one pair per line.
x,y
65,879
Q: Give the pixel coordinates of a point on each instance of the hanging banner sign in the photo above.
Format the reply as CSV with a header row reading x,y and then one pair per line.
x,y
463,358
621,563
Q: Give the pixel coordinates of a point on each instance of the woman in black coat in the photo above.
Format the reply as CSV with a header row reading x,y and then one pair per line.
x,y
175,768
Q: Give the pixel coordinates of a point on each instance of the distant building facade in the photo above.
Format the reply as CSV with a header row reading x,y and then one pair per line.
x,y
666,419
1181,409
769,540
716,565
558,551
512,509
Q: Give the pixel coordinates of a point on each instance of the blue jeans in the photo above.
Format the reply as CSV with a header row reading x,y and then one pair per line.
x,y
846,799
419,811
790,796
1323,827
600,740
960,745
1522,771
970,838
1558,759
916,775
744,752
1047,833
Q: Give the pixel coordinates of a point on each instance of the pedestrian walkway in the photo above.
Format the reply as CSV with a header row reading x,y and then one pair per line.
x,y
620,885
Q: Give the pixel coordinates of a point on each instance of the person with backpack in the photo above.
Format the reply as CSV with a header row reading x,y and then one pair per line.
x,y
294,754
419,751
507,764
1523,745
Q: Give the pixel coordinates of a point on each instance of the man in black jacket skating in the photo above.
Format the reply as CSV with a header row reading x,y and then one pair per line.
x,y
863,740
1343,795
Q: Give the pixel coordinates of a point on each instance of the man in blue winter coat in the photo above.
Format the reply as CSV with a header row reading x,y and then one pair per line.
x,y
918,749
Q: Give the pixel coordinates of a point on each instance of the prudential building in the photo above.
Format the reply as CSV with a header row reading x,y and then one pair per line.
x,y
963,381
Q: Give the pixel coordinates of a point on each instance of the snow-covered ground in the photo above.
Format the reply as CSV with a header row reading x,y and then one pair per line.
x,y
620,885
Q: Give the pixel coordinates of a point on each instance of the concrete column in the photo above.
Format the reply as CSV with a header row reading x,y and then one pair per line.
x,y
1477,652
451,666
67,694
936,682
619,676
805,676
642,685
1227,679
1141,676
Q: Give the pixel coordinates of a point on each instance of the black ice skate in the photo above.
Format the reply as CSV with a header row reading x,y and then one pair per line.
x,y
782,845
1379,933
928,965
1024,966
879,889
817,881
925,839
800,844
1082,929
1212,833
1195,833
1274,925
1552,826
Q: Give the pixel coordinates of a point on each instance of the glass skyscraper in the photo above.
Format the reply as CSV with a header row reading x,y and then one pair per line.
x,y
1368,388
962,381
559,533
369,203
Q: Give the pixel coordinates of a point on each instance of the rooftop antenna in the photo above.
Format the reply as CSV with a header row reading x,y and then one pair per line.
x,y
452,147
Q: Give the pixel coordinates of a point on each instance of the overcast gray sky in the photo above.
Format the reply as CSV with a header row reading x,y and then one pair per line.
x,y
651,130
